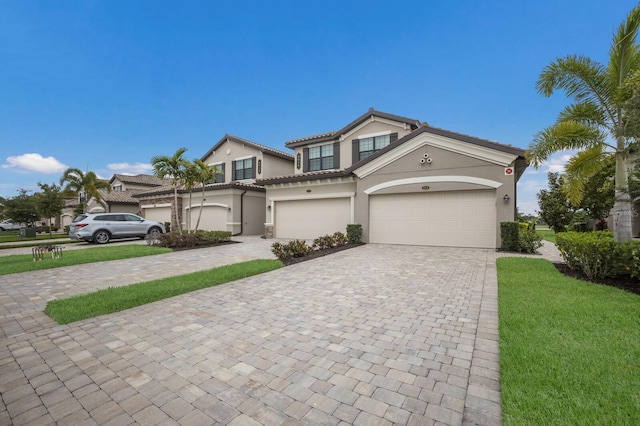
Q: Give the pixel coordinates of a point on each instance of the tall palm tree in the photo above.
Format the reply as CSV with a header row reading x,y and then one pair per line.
x,y
599,123
206,173
173,167
86,185
190,178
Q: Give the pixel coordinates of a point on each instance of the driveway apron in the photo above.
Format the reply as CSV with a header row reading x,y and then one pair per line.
x,y
375,335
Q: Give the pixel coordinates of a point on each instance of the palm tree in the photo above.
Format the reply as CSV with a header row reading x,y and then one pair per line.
x,y
86,185
206,174
172,167
599,124
190,178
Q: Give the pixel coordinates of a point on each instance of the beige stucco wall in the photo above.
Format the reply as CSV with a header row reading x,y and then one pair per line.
x,y
445,163
230,151
346,143
252,212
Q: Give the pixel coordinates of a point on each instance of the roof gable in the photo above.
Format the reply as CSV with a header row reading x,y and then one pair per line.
x,y
363,119
262,148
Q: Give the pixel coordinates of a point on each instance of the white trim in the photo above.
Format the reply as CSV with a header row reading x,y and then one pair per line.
x,y
246,157
482,153
351,195
433,179
268,224
373,119
207,205
151,206
234,223
313,145
373,135
215,164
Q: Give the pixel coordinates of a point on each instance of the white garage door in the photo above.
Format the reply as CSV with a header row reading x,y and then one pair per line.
x,y
309,219
455,218
214,218
158,214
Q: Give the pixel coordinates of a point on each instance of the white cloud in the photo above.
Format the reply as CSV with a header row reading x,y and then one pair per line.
x,y
35,162
126,168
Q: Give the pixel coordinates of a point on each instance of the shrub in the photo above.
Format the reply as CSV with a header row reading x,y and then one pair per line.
x,y
194,239
354,233
43,229
218,236
339,239
67,228
167,226
597,255
509,235
324,242
295,248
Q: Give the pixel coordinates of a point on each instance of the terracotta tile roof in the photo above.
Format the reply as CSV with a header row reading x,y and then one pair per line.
x,y
262,148
300,177
163,190
118,197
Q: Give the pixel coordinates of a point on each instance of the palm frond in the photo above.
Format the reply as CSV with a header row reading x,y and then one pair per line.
x,y
581,168
578,76
624,53
563,135
585,112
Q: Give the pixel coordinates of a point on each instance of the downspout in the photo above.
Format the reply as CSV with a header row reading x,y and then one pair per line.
x,y
241,213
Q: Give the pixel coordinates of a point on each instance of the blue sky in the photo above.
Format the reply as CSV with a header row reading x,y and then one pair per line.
x,y
106,85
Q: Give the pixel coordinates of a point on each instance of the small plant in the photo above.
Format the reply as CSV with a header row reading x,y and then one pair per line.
x,y
295,248
354,233
509,235
520,237
339,239
323,243
167,226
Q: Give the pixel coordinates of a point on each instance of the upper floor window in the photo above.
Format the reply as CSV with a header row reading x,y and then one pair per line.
x,y
244,169
117,187
364,147
323,157
219,173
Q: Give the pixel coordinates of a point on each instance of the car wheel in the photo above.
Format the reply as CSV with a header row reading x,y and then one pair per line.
x,y
154,233
101,237
1,229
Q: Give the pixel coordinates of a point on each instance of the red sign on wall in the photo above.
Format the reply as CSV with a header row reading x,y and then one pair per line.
x,y
508,171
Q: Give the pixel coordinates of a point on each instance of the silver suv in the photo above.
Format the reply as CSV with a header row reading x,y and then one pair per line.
x,y
102,227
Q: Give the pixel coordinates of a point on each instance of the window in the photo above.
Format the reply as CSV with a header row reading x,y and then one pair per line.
x,y
323,157
244,169
219,173
117,188
364,147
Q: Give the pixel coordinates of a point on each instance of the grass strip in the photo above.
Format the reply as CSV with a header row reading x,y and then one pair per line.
x,y
38,243
13,237
115,299
547,234
24,262
569,349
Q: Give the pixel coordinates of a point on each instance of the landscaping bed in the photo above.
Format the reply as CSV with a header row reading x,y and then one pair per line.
x,y
626,283
319,253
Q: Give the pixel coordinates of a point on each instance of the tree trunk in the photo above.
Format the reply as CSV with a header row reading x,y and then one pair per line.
x,y
622,213
189,214
175,209
201,207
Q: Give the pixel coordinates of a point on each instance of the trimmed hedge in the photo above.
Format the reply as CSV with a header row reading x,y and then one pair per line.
x,y
295,248
194,239
597,255
354,233
521,237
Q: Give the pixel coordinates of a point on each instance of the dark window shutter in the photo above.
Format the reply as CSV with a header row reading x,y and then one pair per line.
x,y
355,151
393,137
220,177
253,168
233,170
305,160
336,155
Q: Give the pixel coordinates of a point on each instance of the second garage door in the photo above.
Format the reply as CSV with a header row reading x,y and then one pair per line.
x,y
455,219
309,219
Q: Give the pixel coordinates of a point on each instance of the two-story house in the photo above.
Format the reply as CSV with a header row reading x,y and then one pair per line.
x,y
232,202
404,181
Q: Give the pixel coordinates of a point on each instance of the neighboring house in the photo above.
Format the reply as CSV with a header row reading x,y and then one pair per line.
x,y
232,202
404,181
120,197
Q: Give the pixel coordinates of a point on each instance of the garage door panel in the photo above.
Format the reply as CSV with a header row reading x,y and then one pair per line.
x,y
456,218
158,214
309,219
214,218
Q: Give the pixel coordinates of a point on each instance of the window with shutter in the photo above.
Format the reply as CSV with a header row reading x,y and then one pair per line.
x,y
322,157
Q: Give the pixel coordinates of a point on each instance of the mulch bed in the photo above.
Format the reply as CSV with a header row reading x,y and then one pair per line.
x,y
199,246
319,253
629,284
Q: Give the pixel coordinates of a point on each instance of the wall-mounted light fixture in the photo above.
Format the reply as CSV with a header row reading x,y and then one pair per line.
x,y
269,207
228,208
506,198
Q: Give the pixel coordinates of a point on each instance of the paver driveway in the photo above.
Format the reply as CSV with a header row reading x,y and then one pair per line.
x,y
372,335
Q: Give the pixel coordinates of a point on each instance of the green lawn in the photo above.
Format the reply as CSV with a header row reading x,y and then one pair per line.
x,y
547,234
12,237
115,299
569,350
25,263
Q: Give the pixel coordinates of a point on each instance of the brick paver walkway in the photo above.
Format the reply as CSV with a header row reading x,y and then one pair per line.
x,y
373,335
